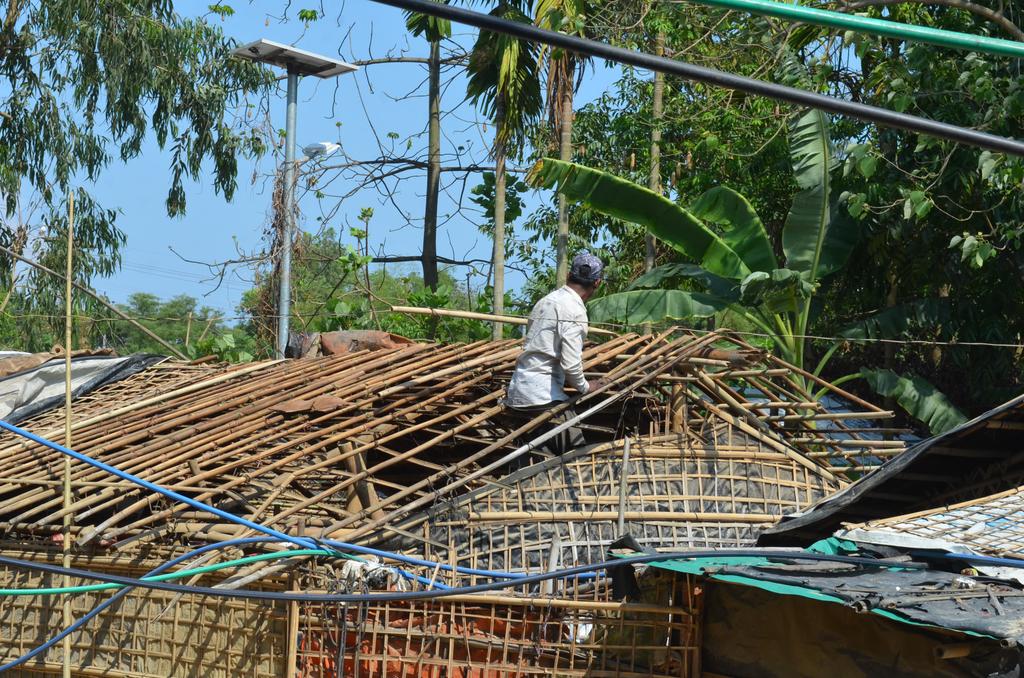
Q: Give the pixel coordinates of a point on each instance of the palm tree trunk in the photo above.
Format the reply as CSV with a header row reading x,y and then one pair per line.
x,y
433,169
498,255
564,153
657,113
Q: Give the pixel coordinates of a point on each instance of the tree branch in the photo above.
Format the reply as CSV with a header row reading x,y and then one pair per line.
x,y
457,59
440,260
414,163
983,12
110,307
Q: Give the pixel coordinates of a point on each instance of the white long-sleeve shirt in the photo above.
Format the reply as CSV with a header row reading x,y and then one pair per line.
x,y
553,351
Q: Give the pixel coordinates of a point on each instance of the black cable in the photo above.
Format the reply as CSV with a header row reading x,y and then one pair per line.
x,y
394,596
792,95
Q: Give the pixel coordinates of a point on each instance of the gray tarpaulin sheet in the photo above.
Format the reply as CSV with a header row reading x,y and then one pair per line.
x,y
31,392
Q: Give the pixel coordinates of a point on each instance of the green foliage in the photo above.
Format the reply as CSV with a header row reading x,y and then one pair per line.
x,y
918,397
902,320
659,304
942,221
503,77
974,248
222,10
86,82
180,321
733,246
622,199
233,347
483,196
336,287
94,75
431,28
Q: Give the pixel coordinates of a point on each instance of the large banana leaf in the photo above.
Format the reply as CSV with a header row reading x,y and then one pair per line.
x,y
919,398
778,291
841,237
622,199
744,232
803,236
651,306
672,275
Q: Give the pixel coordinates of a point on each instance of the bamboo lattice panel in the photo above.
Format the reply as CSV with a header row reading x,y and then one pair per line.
x,y
147,634
678,495
572,635
991,526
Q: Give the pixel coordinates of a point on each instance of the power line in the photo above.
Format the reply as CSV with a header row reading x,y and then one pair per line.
x,y
608,325
874,114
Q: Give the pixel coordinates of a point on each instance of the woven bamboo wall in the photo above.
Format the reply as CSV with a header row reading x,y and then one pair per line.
x,y
147,633
571,635
679,494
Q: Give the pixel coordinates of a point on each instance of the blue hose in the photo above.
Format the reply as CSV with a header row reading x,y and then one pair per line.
x,y
303,542
171,494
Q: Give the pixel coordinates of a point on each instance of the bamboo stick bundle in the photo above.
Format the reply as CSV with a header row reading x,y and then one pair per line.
x,y
221,435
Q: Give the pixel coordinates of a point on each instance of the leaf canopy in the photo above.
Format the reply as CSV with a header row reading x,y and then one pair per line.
x,y
651,306
622,199
744,232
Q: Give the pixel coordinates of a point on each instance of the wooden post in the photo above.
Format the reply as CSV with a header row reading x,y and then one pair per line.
x,y
292,641
362,495
623,485
66,542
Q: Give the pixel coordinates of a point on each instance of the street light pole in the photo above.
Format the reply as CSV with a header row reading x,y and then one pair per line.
x,y
284,302
298,62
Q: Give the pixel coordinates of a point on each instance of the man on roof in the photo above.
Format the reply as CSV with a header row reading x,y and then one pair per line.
x,y
552,354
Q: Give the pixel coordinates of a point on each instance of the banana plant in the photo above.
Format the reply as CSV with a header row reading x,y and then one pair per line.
x,y
728,248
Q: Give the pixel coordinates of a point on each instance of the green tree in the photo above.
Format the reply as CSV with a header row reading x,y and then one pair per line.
x,y
179,320
728,248
434,30
504,82
563,71
703,137
336,287
85,82
942,221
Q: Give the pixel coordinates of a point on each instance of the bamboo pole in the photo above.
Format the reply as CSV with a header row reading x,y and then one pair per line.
x,y
569,604
228,422
292,641
662,352
623,480
490,317
612,516
66,543
322,439
110,307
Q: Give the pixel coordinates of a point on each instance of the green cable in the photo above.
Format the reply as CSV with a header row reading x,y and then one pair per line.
x,y
181,573
871,26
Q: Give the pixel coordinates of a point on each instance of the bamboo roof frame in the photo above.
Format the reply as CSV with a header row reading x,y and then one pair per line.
x,y
224,434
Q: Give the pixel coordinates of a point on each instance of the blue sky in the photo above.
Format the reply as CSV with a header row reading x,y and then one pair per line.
x,y
368,105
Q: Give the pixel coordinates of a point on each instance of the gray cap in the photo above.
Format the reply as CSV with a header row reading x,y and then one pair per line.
x,y
586,269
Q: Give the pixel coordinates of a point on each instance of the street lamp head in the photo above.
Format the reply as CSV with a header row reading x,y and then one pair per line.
x,y
321,149
293,59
